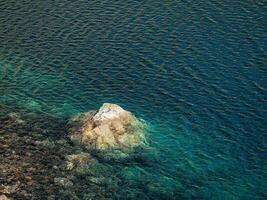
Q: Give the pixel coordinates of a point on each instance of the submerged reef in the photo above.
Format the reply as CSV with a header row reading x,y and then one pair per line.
x,y
31,154
111,130
40,161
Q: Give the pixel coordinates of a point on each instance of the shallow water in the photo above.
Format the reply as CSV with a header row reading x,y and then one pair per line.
x,y
195,71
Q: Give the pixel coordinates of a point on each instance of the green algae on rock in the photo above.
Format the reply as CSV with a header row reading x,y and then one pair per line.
x,y
110,129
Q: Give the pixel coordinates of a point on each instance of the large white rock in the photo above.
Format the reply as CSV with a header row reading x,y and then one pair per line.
x,y
109,128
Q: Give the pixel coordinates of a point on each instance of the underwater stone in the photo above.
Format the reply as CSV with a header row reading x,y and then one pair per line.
x,y
64,182
3,197
16,118
9,189
109,128
45,143
62,142
77,160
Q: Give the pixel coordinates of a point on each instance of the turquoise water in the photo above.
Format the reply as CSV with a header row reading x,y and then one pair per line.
x,y
195,71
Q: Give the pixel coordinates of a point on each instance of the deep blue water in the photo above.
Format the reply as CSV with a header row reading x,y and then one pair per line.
x,y
195,71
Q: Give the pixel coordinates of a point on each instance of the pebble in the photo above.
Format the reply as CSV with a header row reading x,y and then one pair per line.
x,y
28,178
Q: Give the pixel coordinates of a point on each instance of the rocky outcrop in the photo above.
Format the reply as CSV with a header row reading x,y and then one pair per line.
x,y
109,128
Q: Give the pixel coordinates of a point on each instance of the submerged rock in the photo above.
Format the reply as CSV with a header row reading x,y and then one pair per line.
x,y
63,182
16,118
45,143
4,197
109,128
77,160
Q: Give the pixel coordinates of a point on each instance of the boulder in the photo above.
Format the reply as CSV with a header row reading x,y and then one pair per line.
x,y
109,128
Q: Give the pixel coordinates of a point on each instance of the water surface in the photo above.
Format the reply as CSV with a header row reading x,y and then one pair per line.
x,y
195,71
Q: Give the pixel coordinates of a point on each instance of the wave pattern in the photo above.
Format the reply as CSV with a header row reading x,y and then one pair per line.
x,y
194,70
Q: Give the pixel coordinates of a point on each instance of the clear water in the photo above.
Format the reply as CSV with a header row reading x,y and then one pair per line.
x,y
195,71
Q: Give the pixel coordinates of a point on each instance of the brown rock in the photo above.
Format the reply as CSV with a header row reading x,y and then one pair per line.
x,y
4,197
28,178
75,160
111,127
